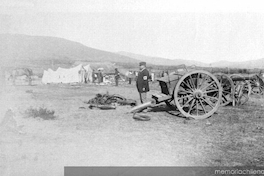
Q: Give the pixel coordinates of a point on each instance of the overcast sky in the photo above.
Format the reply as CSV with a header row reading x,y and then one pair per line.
x,y
202,30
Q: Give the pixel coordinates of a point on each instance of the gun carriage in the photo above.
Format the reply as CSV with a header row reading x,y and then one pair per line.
x,y
198,94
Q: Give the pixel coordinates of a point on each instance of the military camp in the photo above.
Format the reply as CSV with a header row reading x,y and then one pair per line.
x,y
131,88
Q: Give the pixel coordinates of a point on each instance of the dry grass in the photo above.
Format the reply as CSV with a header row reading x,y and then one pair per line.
x,y
237,134
40,112
83,136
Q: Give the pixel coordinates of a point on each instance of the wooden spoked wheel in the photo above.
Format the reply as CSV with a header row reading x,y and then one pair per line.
x,y
242,90
227,87
198,94
257,85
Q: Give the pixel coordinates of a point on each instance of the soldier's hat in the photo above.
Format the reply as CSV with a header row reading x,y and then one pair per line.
x,y
142,63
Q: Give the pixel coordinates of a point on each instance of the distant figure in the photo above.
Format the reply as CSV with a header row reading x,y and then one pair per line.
x,y
152,77
136,73
81,75
142,82
100,77
165,73
86,77
93,76
162,74
117,76
130,75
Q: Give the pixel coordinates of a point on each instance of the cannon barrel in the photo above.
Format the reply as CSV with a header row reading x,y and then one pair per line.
x,y
238,79
242,78
141,107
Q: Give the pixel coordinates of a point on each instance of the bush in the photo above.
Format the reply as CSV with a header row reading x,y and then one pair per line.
x,y
41,112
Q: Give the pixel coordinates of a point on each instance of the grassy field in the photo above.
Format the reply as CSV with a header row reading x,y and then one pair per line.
x,y
80,136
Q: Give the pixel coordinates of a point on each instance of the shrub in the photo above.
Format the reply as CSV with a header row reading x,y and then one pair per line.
x,y
41,112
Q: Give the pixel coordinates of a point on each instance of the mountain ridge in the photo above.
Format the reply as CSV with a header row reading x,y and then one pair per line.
x,y
257,63
25,47
19,47
162,61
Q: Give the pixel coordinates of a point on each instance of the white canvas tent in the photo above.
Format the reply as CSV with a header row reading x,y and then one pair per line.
x,y
72,75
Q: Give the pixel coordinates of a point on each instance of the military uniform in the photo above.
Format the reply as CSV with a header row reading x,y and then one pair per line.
x,y
143,84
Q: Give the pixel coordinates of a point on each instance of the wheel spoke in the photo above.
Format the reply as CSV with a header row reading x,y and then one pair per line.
x,y
204,88
198,77
224,99
191,81
196,107
185,91
187,85
210,104
202,106
213,90
188,102
226,92
191,107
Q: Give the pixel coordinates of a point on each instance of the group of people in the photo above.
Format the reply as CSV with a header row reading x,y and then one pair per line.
x,y
84,77
100,77
142,81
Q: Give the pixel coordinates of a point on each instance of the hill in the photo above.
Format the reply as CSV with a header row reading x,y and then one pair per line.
x,y
42,52
23,47
162,61
259,63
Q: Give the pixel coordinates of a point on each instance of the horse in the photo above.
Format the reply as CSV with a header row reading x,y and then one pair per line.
x,y
21,72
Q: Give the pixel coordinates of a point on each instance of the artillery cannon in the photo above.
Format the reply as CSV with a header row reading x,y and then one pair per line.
x,y
196,94
237,88
257,84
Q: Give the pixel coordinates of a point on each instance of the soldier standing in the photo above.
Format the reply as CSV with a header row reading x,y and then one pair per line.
x,y
142,82
117,76
130,75
100,76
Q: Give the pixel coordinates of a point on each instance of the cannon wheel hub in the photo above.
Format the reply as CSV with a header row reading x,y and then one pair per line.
x,y
198,94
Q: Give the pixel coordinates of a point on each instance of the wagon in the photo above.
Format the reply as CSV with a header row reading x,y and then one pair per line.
x,y
196,94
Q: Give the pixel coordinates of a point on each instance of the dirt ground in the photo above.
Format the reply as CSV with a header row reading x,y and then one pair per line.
x,y
80,136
